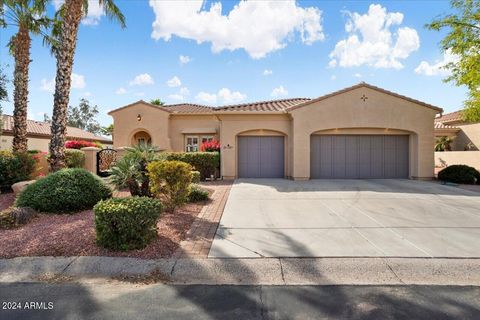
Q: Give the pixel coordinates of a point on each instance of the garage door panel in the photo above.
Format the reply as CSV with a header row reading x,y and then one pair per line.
x,y
360,156
351,157
339,154
261,157
376,151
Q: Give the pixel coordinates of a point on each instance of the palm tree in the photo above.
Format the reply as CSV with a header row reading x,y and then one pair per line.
x,y
443,144
29,17
70,15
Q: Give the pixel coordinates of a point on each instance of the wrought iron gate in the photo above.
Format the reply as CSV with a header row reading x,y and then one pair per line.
x,y
106,158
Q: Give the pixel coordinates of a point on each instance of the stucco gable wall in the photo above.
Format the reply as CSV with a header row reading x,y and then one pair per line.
x,y
380,110
189,123
153,120
259,124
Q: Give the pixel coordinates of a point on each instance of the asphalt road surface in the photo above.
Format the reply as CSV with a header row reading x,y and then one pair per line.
x,y
158,301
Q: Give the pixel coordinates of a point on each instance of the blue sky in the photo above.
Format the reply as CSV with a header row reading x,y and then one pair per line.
x,y
216,54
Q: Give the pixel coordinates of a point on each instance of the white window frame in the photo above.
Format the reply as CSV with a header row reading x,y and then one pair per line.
x,y
192,147
200,139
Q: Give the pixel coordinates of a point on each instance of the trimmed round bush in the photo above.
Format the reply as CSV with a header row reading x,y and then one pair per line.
x,y
66,191
197,193
459,173
126,223
170,180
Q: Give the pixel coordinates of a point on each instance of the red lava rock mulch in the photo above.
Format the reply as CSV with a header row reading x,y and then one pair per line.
x,y
74,235
6,200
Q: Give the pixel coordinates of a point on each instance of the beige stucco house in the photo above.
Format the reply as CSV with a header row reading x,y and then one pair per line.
x,y
465,135
38,135
359,132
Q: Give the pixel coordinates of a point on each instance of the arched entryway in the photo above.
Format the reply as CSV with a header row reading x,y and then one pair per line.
x,y
141,137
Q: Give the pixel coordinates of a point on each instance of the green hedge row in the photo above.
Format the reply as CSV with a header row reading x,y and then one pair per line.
x,y
203,162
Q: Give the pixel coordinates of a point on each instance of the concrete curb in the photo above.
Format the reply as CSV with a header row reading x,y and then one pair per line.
x,y
268,271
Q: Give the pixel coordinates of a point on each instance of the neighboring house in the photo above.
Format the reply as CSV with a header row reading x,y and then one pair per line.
x,y
466,135
38,134
359,132
465,141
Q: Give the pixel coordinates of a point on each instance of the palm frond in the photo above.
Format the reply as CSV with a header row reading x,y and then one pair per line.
x,y
113,12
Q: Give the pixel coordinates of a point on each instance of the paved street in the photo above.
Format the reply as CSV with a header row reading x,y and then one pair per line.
x,y
348,218
128,301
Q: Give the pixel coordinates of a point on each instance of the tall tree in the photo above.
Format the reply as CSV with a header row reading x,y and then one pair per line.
x,y
157,102
70,15
29,17
463,40
84,117
108,130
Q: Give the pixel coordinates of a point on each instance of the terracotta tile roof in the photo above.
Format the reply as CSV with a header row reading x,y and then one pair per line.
x,y
38,128
450,117
272,105
187,108
440,125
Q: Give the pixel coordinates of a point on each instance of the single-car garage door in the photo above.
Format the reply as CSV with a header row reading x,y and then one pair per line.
x,y
261,157
359,156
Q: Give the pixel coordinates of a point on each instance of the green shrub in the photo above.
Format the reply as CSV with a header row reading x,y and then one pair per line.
x,y
197,193
203,162
126,223
74,158
15,167
195,177
459,173
67,190
170,180
131,171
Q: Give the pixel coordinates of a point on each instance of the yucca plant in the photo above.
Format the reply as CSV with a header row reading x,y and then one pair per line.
x,y
131,171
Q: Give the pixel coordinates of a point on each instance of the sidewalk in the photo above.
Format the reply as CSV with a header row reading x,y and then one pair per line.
x,y
273,271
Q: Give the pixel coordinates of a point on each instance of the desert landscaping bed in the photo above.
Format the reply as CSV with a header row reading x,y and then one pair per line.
x,y
74,234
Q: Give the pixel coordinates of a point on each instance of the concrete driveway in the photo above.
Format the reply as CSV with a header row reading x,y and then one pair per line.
x,y
348,218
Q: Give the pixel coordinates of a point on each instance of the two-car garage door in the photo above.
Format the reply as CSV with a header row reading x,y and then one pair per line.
x,y
359,156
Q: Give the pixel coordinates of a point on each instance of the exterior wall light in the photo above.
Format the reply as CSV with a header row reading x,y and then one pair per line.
x,y
139,117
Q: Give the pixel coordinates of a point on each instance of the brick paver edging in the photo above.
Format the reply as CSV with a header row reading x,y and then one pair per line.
x,y
200,236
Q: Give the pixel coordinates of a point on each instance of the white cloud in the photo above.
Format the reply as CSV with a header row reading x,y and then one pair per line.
x,y
372,42
227,96
279,91
121,90
142,80
184,91
267,72
258,27
47,85
181,94
437,68
206,97
174,82
77,82
357,75
87,94
333,77
224,96
140,94
95,11
184,59
176,96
